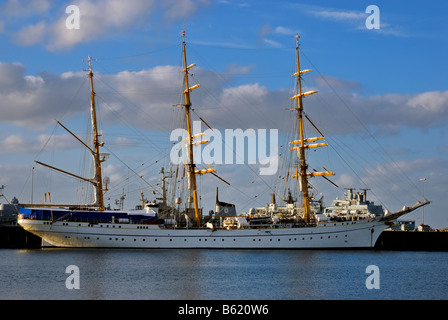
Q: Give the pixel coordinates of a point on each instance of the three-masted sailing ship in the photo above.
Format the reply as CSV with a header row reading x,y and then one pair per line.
x,y
353,222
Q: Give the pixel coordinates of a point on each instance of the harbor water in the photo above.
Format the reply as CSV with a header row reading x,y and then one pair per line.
x,y
34,274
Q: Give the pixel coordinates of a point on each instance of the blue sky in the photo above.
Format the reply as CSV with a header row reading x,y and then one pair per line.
x,y
381,92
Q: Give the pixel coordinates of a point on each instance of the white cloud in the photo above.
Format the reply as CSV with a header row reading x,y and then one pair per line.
x,y
277,32
180,9
33,101
272,43
236,68
339,15
284,30
384,113
25,7
145,98
18,144
434,102
354,18
31,34
98,19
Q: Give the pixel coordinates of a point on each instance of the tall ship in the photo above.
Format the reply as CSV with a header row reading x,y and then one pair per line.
x,y
353,222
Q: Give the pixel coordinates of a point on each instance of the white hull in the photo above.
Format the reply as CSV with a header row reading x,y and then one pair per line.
x,y
353,234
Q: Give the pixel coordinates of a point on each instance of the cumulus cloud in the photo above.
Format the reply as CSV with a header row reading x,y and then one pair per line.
x,y
342,109
267,32
98,18
18,143
148,96
33,101
19,8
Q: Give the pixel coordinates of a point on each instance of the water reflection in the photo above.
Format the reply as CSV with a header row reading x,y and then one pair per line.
x,y
220,274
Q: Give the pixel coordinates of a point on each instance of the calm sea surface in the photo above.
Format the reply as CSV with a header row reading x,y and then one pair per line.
x,y
222,274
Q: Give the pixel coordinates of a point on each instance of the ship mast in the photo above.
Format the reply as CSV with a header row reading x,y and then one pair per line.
x,y
97,178
192,172
191,164
301,171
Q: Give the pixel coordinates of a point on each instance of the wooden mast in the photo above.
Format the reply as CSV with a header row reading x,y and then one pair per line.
x,y
97,178
303,166
302,173
191,164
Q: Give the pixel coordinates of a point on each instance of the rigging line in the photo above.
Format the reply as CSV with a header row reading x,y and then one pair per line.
x,y
46,142
73,98
343,146
239,157
345,161
230,83
144,165
354,172
111,109
360,154
149,184
62,116
128,102
363,125
136,55
30,174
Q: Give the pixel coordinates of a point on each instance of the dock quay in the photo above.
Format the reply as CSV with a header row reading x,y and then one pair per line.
x,y
15,237
413,240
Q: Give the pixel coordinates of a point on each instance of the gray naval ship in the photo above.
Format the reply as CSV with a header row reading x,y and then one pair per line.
x,y
8,211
